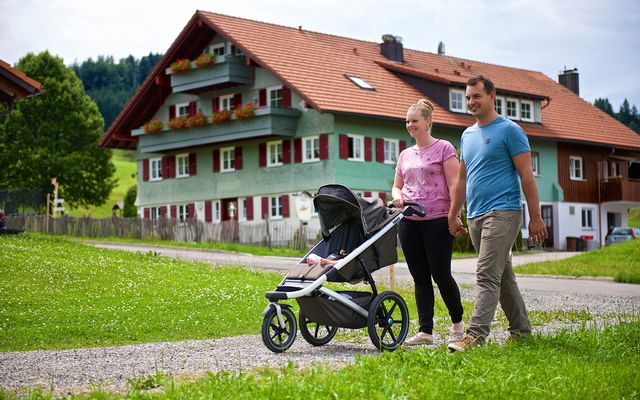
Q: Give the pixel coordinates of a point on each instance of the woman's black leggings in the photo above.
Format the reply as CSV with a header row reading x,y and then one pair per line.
x,y
427,247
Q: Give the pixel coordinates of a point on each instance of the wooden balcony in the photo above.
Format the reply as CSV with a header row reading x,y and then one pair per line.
x,y
226,71
618,189
267,121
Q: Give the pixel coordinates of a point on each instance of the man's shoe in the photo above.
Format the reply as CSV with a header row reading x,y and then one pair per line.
x,y
420,338
467,342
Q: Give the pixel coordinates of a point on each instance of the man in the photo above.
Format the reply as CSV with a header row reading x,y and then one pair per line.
x,y
493,153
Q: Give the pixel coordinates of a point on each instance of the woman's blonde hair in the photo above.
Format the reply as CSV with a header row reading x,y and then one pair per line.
x,y
425,107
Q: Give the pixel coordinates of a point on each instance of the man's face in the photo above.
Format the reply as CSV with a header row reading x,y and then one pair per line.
x,y
479,102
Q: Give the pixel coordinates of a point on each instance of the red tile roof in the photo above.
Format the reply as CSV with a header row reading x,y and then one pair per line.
x,y
315,64
15,85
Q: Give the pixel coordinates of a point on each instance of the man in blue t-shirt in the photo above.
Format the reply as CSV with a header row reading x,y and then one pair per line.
x,y
494,152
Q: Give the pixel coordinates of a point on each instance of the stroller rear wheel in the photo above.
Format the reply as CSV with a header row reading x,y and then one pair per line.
x,y
275,337
314,333
388,321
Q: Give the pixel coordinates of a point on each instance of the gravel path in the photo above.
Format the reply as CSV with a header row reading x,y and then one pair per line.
x,y
79,370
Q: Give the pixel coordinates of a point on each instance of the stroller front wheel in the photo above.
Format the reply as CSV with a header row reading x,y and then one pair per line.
x,y
388,321
279,338
314,333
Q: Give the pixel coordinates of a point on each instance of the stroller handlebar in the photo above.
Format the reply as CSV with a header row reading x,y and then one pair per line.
x,y
411,208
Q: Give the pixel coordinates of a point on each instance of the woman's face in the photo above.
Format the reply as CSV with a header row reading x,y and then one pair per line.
x,y
417,124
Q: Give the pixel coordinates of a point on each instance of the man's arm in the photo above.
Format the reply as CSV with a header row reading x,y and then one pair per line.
x,y
537,230
458,195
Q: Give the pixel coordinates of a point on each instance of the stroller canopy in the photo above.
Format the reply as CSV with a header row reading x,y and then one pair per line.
x,y
336,204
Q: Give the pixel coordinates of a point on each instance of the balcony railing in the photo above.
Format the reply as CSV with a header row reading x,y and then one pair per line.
x,y
618,189
227,70
266,121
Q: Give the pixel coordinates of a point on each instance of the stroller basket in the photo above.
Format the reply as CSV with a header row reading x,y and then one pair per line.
x,y
325,310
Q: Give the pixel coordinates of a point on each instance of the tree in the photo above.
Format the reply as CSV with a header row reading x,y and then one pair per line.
x,y
605,106
55,135
624,114
130,210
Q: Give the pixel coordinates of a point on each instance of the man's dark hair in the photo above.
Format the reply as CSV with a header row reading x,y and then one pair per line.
x,y
488,85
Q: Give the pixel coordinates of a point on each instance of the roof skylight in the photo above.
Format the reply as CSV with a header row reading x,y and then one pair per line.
x,y
360,82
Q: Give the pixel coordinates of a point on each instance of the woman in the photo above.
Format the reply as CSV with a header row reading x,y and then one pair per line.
x,y
426,173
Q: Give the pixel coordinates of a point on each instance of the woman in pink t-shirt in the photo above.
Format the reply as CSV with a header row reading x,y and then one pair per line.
x,y
425,173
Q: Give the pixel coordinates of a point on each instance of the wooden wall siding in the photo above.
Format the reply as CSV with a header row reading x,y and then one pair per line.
x,y
620,189
585,191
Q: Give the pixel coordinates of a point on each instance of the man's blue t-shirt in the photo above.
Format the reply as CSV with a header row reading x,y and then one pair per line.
x,y
492,178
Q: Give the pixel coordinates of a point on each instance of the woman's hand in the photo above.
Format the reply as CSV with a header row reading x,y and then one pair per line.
x,y
398,202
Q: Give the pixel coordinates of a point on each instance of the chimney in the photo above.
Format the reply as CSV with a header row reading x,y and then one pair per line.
x,y
441,48
570,79
391,48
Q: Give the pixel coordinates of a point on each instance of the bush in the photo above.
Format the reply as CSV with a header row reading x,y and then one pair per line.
x,y
153,126
130,210
181,65
197,120
178,123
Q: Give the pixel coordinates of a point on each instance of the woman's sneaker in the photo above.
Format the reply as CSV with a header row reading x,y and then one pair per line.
x,y
420,338
455,335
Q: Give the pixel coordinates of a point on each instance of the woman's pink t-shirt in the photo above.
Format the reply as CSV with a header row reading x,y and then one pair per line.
x,y
424,180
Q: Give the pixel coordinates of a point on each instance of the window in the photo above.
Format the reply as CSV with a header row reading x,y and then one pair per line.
x,y
156,169
360,82
311,149
217,49
155,213
183,213
499,105
275,209
456,100
356,148
274,154
182,162
226,102
216,211
526,110
182,110
512,108
228,159
390,151
614,169
535,163
587,218
275,98
242,209
575,168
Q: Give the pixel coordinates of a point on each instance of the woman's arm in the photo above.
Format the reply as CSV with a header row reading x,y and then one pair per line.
x,y
396,191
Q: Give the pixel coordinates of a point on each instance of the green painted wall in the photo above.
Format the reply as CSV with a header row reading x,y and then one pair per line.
x,y
547,179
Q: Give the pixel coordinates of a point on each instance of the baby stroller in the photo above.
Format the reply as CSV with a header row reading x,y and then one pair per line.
x,y
359,237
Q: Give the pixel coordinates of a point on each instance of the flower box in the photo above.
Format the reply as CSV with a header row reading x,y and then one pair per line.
x,y
178,123
245,112
181,65
221,116
197,120
153,126
204,60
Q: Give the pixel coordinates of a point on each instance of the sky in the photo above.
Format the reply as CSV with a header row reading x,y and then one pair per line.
x,y
599,37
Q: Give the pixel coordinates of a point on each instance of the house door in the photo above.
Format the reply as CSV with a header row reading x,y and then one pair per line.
x,y
547,217
229,209
613,219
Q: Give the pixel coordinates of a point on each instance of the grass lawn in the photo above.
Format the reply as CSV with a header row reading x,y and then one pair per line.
x,y
634,217
620,261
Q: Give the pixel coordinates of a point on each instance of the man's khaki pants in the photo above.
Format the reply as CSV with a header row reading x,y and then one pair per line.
x,y
493,235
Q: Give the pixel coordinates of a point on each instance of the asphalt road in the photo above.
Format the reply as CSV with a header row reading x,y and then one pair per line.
x,y
463,269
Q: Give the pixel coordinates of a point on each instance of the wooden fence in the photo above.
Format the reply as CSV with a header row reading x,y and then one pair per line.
x,y
269,233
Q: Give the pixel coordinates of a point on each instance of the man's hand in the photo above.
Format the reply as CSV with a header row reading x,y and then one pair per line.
x,y
456,228
537,230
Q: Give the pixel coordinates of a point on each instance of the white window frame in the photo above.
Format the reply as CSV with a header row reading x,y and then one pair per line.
x,y
573,168
214,49
275,207
453,102
154,213
272,96
182,165
515,101
183,213
614,169
360,82
242,209
155,169
228,98
215,211
356,147
227,157
182,110
522,116
391,155
272,152
535,163
306,141
586,220
501,100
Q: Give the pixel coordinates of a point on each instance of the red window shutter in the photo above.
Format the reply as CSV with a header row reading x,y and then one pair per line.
x,y
215,104
265,207
163,212
192,108
286,151
367,194
237,100
191,211
262,157
324,146
403,145
216,160
249,202
192,164
297,150
172,167
379,149
284,201
344,146
166,174
172,112
383,196
145,170
262,96
147,213
224,210
207,211
238,156
367,148
286,97
174,211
